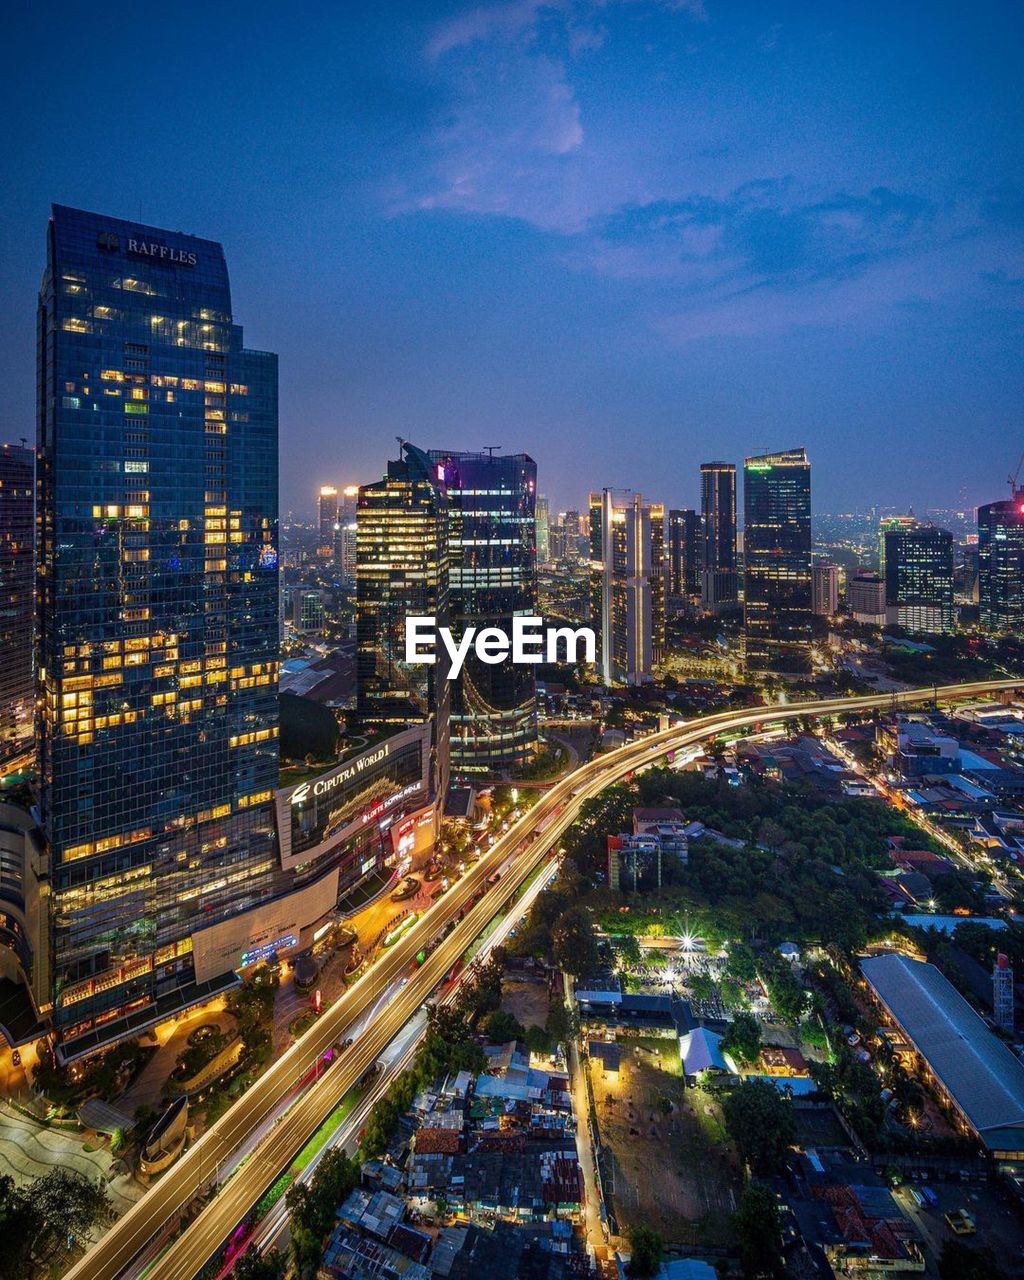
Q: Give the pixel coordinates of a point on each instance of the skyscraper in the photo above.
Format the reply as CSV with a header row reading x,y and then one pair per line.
x,y
825,589
777,555
17,505
719,583
543,521
327,520
345,534
891,524
865,594
919,578
402,571
1001,564
627,585
684,553
493,573
157,637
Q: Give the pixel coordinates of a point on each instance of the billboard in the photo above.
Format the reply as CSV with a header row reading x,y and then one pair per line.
x,y
379,785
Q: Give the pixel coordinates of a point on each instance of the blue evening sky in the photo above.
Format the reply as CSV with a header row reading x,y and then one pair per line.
x,y
625,236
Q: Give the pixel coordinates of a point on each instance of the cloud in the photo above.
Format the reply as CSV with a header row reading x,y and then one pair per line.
x,y
769,258
513,140
500,22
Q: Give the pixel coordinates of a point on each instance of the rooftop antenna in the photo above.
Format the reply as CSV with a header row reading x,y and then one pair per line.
x,y
492,449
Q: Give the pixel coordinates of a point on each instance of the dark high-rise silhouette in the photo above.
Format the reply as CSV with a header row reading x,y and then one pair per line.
x,y
719,583
492,557
777,559
1001,564
919,578
17,506
684,553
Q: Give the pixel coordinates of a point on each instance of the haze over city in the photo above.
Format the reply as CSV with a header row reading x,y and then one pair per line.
x,y
560,227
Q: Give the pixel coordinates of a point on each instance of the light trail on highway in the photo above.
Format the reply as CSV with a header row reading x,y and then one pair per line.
x,y
445,931
398,1056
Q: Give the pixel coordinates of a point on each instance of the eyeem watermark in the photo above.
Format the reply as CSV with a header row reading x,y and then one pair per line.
x,y
530,641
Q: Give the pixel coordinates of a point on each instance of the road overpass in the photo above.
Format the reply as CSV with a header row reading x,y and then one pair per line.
x,y
446,930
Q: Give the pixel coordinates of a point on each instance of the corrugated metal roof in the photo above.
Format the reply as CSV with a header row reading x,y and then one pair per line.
x,y
977,1070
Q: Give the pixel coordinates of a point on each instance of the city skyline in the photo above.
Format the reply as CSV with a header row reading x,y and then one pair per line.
x,y
434,262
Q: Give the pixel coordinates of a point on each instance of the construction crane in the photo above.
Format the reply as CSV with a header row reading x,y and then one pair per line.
x,y
1012,480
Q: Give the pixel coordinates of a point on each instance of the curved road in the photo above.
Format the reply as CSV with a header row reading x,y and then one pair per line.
x,y
256,1121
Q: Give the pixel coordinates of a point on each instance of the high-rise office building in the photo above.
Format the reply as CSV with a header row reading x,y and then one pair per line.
x,y
825,590
17,525
777,558
892,524
684,553
865,594
919,578
157,636
627,585
720,581
493,571
327,520
543,533
345,534
402,571
574,535
1001,564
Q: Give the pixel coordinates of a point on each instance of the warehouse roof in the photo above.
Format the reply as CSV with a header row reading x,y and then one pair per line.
x,y
978,1071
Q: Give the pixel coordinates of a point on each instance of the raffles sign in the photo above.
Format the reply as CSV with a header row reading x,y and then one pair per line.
x,y
155,252
150,250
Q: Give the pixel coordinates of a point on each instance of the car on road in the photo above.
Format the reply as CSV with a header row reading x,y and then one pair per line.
x,y
15,1058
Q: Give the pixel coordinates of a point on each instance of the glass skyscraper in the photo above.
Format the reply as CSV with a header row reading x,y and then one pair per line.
x,y
492,554
402,571
1001,564
777,556
720,582
684,553
919,578
327,520
17,507
157,636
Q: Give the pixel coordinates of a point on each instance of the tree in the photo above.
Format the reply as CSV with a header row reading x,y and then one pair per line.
x,y
760,1235
961,1261
558,1024
574,942
742,1038
37,1221
702,987
252,1265
741,962
538,1040
645,1251
502,1026
760,1122
312,1207
629,949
